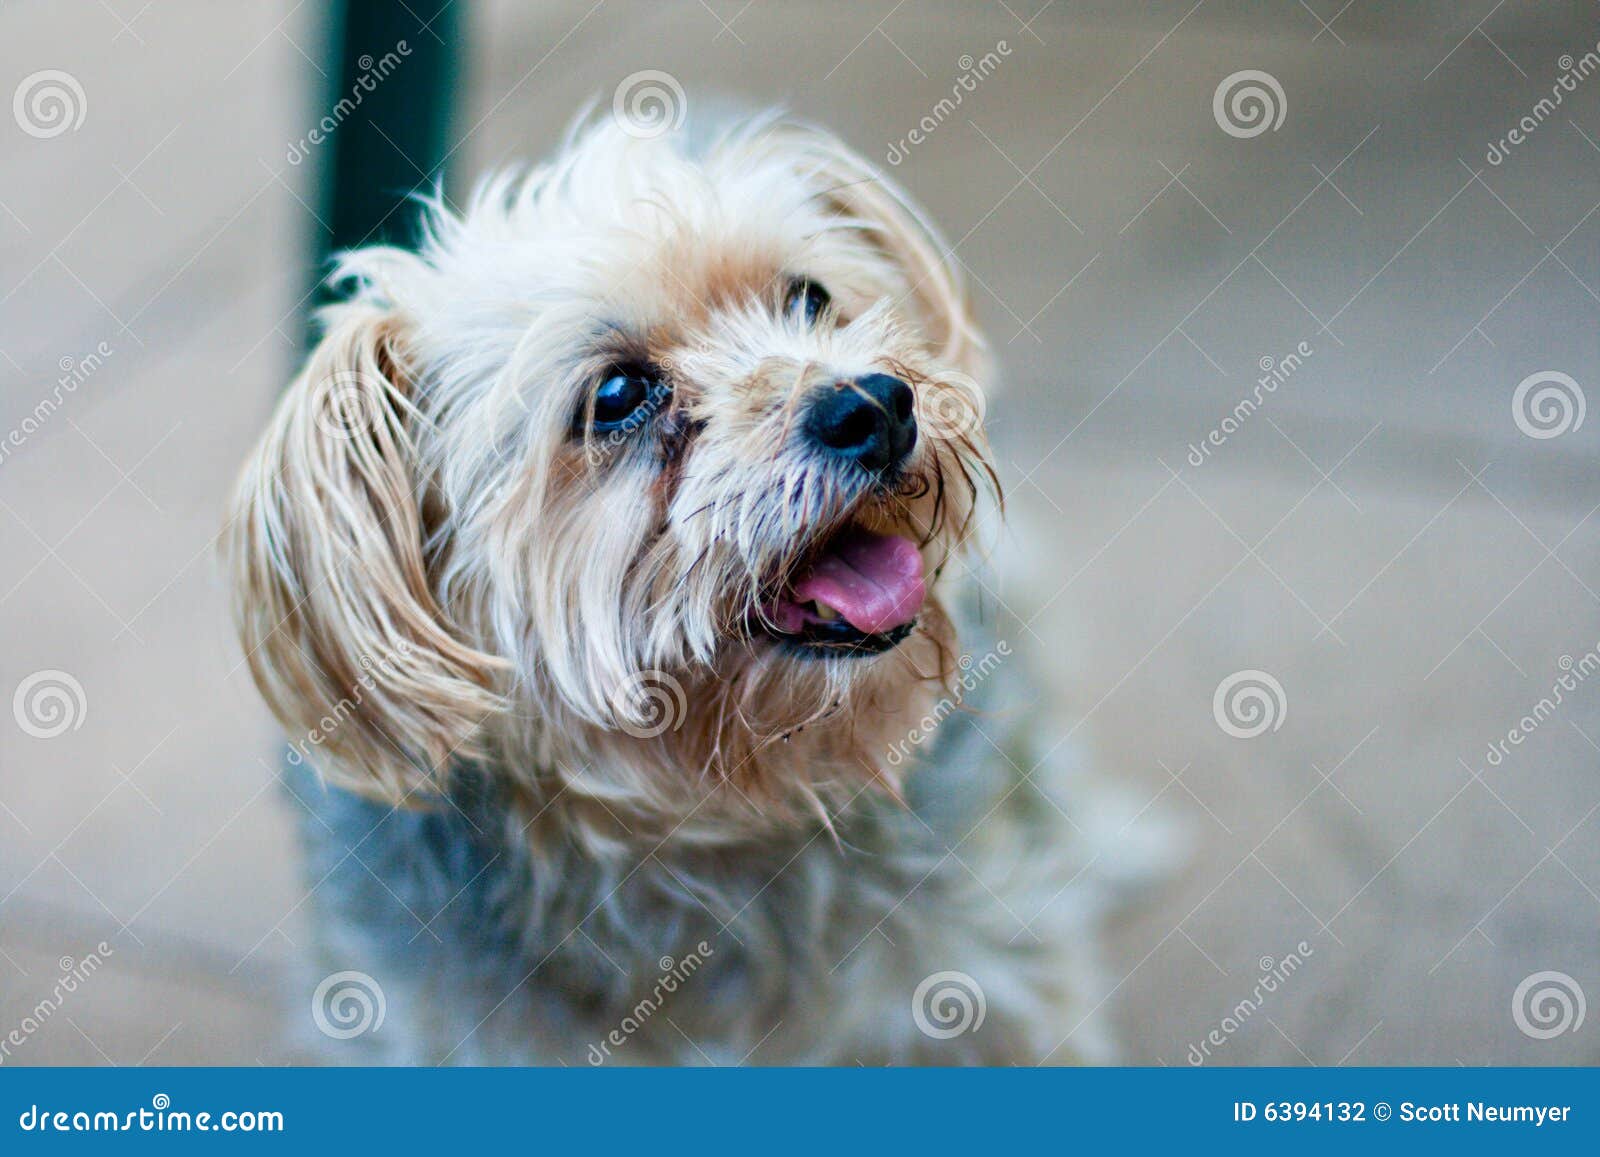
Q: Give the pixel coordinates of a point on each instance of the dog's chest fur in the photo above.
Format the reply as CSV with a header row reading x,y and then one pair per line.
x,y
806,949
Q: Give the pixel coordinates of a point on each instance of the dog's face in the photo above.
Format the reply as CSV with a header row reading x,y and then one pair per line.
x,y
641,476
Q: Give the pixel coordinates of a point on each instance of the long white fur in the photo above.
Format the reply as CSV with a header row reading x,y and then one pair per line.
x,y
422,538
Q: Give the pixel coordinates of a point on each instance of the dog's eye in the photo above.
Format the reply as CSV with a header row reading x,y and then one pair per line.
x,y
620,396
806,298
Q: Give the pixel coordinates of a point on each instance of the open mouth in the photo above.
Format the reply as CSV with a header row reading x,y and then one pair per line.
x,y
859,594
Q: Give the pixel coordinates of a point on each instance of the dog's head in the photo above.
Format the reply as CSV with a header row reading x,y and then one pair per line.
x,y
641,474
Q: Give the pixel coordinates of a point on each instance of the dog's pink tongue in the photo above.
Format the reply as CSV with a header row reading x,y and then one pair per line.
x,y
874,581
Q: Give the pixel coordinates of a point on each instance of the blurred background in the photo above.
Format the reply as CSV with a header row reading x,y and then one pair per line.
x,y
1394,542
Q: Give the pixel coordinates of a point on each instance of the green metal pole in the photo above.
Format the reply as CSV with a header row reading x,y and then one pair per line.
x,y
394,71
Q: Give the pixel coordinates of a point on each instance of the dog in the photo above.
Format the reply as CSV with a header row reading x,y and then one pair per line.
x,y
608,559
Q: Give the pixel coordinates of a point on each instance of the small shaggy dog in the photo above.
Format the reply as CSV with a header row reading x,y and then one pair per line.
x,y
603,555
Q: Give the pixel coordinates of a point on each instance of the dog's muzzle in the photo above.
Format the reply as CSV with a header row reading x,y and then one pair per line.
x,y
860,593
869,421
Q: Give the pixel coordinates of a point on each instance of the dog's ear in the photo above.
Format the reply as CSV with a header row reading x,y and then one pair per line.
x,y
333,597
858,191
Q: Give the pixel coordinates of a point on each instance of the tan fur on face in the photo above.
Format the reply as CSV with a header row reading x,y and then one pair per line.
x,y
420,512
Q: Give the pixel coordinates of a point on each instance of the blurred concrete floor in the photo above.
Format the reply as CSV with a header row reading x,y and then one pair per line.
x,y
1380,536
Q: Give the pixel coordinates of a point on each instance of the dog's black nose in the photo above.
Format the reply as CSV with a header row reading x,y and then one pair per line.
x,y
868,420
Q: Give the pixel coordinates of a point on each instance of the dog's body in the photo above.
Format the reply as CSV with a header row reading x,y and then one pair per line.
x,y
807,948
605,542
